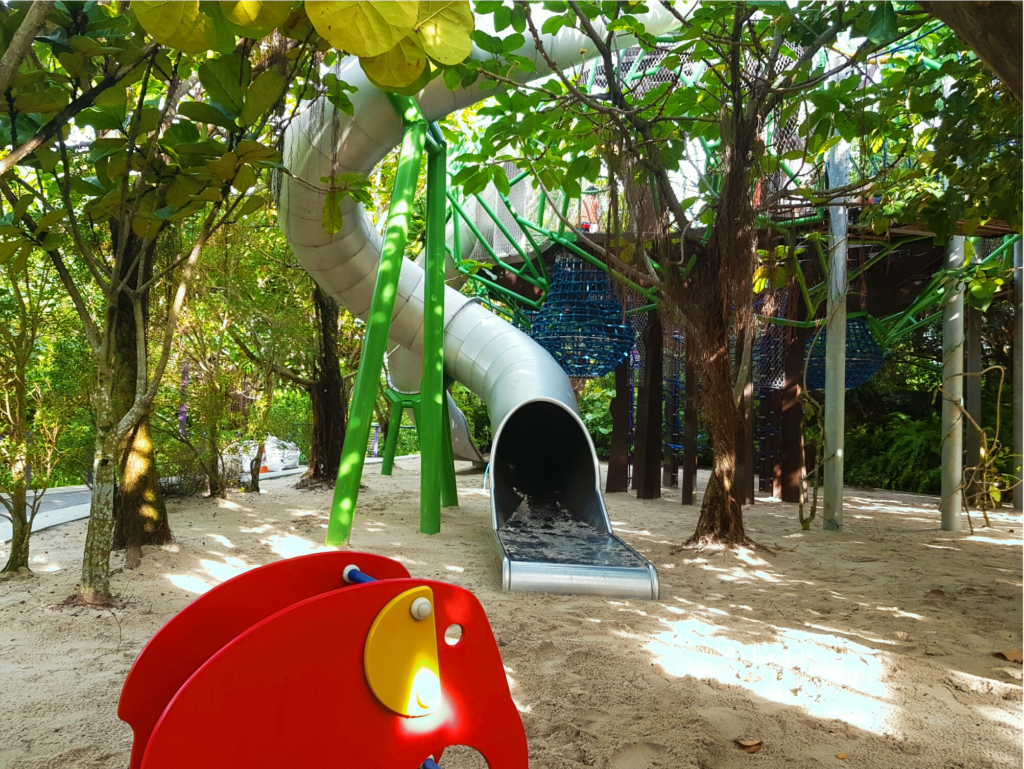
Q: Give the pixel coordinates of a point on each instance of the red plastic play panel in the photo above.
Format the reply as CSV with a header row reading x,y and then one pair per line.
x,y
290,691
217,618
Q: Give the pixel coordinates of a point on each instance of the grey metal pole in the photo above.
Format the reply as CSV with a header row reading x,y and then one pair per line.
x,y
953,395
835,344
1018,371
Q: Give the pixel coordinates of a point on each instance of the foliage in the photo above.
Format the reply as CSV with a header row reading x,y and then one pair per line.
x,y
904,455
595,409
291,419
476,415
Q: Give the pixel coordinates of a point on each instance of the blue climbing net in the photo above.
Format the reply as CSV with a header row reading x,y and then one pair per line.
x,y
863,356
581,323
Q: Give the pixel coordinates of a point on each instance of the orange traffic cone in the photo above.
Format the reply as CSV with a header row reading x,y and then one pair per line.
x,y
264,467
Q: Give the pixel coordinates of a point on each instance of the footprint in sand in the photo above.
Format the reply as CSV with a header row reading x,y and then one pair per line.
x,y
637,756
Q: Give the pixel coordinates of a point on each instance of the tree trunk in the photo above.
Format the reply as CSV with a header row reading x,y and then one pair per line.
x,y
721,291
618,453
20,527
96,560
327,396
140,515
721,518
255,465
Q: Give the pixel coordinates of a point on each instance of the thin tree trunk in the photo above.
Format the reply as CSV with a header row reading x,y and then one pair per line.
x,y
327,396
29,27
98,541
20,528
140,515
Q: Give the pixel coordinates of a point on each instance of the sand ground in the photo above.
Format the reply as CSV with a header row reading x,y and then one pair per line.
x,y
830,647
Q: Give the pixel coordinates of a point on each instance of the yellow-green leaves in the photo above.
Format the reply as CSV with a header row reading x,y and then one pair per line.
x,y
363,27
177,24
224,79
394,39
401,66
256,15
263,94
445,30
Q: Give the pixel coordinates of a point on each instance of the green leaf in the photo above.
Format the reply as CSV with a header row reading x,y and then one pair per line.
x,y
225,78
512,43
207,113
44,102
332,219
487,42
7,249
452,79
251,204
100,120
262,95
179,25
49,220
336,93
20,262
444,30
883,26
362,27
21,207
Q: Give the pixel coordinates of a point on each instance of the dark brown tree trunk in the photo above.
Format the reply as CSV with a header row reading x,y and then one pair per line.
x,y
140,515
794,473
328,397
720,292
647,462
618,453
690,427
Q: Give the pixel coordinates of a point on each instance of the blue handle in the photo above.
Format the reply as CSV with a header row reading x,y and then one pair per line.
x,y
429,764
353,576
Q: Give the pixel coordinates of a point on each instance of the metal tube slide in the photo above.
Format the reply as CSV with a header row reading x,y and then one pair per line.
x,y
544,467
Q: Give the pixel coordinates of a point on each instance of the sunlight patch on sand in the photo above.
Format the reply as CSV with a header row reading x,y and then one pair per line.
x,y
189,583
223,571
822,673
223,540
291,545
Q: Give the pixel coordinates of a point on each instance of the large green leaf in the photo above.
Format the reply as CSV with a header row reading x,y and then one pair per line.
x,y
207,113
225,79
178,25
263,94
256,15
332,219
402,66
883,25
7,249
363,27
41,102
445,30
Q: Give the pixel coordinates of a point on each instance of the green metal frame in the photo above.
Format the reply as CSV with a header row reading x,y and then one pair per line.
x,y
436,465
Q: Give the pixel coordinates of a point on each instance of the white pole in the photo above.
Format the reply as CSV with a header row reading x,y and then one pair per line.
x,y
953,395
1018,372
835,344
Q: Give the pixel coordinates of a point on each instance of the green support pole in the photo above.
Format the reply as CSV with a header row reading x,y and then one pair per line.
x,y
431,425
378,324
449,489
391,442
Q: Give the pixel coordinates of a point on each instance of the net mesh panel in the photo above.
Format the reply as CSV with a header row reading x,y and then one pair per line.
x,y
863,356
581,323
769,353
525,201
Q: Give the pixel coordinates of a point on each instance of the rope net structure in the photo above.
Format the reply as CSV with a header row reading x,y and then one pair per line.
x,y
864,356
581,323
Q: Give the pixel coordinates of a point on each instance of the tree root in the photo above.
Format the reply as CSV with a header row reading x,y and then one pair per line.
x,y
704,544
